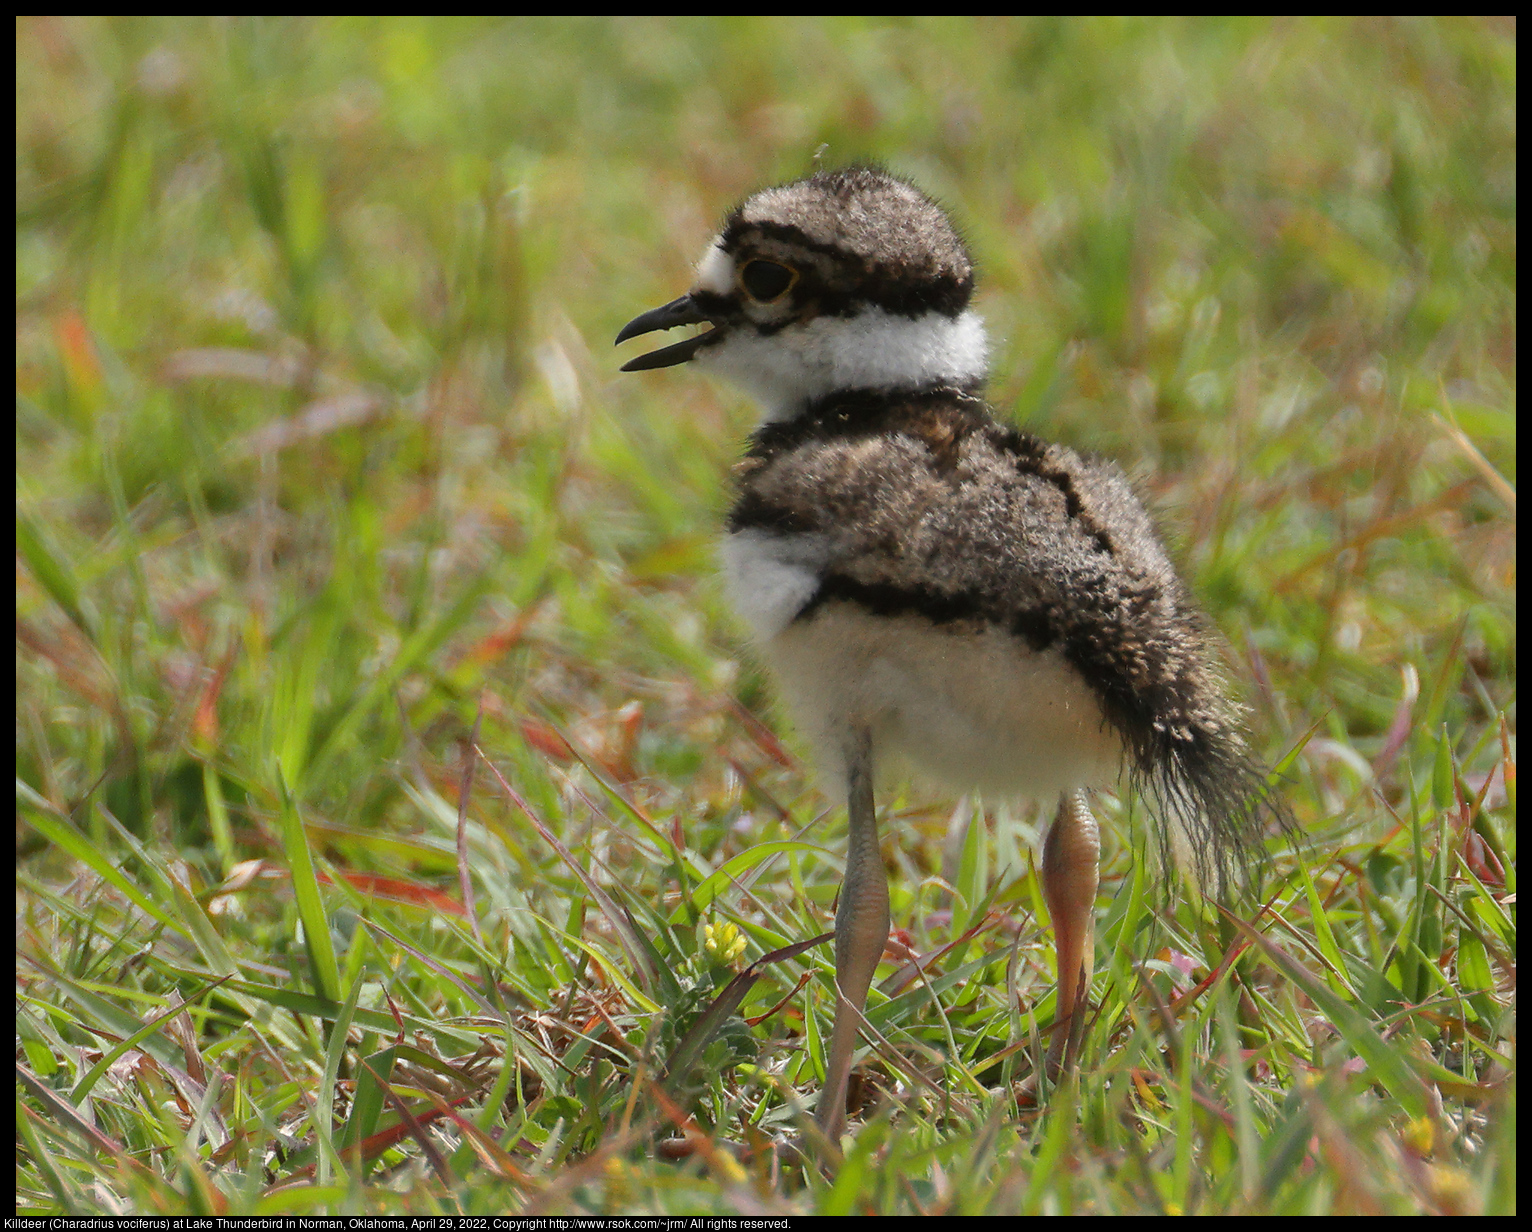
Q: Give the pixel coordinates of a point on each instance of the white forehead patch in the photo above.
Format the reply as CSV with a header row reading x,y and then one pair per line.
x,y
715,272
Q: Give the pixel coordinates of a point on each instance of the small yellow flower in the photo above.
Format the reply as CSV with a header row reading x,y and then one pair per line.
x,y
1453,1189
619,1191
723,941
1420,1135
725,1163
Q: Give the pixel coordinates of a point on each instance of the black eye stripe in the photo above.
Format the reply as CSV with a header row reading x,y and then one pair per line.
x,y
766,280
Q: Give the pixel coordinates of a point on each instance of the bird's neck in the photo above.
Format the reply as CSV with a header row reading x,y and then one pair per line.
x,y
941,416
795,370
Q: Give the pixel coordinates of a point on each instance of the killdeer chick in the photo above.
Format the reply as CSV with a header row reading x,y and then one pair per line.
x,y
935,588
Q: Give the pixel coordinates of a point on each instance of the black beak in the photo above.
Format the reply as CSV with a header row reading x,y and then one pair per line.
x,y
678,312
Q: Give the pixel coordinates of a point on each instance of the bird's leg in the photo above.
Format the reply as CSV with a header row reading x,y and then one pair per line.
x,y
861,932
1071,854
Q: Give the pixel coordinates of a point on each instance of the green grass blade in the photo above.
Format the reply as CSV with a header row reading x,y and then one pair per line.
x,y
1382,1061
323,968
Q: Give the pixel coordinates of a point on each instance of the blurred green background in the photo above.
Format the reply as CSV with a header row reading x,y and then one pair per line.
x,y
314,320
321,440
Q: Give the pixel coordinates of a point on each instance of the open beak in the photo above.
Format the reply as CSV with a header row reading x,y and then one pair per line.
x,y
678,312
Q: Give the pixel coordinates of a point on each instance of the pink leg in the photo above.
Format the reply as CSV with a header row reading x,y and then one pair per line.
x,y
1071,854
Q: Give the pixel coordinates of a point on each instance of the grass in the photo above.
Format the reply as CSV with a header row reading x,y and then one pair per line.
x,y
325,476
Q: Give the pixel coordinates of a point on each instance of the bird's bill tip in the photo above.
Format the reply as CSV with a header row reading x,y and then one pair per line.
x,y
683,311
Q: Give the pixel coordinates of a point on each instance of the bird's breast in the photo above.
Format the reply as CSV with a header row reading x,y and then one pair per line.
x,y
966,702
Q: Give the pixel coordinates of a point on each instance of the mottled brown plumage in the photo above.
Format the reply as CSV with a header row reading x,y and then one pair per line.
x,y
927,506
933,587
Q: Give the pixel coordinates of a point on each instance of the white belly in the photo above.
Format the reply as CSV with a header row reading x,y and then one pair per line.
x,y
969,708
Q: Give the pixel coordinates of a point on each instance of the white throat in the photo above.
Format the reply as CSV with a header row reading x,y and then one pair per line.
x,y
872,350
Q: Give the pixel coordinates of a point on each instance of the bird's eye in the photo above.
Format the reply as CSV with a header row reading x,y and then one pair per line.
x,y
765,281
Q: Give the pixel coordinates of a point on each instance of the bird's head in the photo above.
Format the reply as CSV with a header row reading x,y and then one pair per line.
x,y
847,280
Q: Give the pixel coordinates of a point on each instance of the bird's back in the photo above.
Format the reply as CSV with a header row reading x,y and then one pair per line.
x,y
998,608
